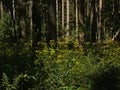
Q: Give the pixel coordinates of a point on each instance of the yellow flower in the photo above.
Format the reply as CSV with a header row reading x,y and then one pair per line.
x,y
59,56
25,75
76,44
45,50
77,63
58,61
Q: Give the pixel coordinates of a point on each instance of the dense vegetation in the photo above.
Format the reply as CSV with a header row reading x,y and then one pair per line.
x,y
70,66
59,45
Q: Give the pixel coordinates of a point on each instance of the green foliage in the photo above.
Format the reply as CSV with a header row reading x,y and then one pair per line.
x,y
6,34
67,67
71,67
6,85
64,68
15,59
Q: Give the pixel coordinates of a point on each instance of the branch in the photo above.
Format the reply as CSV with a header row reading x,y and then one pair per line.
x,y
116,34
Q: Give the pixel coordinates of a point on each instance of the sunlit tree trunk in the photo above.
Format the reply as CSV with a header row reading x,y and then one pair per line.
x,y
100,21
76,8
13,17
1,10
31,21
81,12
63,27
67,21
57,15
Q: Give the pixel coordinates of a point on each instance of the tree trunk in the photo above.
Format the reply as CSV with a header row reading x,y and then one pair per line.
x,y
81,17
67,21
52,32
37,21
13,17
22,19
100,21
81,11
94,22
76,8
1,10
63,27
57,16
31,21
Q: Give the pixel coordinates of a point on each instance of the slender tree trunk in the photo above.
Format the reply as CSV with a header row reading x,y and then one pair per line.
x,y
94,22
81,12
63,27
57,15
13,17
67,21
1,10
77,20
31,21
100,21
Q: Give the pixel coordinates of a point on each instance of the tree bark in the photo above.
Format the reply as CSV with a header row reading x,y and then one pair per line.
x,y
57,15
67,20
52,32
13,17
22,19
63,27
76,8
37,21
100,21
94,22
31,21
1,10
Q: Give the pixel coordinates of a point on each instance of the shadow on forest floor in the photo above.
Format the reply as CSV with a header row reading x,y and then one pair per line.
x,y
107,79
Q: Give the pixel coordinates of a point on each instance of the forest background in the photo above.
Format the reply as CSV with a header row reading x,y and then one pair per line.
x,y
59,44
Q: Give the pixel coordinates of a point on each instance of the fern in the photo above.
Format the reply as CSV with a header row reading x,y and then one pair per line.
x,y
10,86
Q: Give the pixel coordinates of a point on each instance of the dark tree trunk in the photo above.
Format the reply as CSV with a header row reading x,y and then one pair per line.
x,y
37,21
52,33
94,23
22,19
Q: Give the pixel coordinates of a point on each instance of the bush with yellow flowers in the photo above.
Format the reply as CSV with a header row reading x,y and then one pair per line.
x,y
74,67
69,66
63,67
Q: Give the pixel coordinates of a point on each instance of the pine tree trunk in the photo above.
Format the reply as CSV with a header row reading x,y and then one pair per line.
x,y
67,21
57,16
100,21
1,10
63,27
13,16
77,20
31,22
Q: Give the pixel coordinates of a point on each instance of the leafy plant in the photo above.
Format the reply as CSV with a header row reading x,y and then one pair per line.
x,y
7,85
